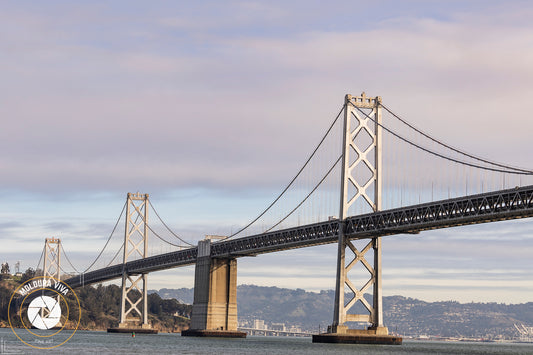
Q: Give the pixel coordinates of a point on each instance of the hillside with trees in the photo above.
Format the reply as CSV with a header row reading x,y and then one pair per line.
x,y
100,307
170,309
405,316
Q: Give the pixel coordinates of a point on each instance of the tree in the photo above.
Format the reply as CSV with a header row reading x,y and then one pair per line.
x,y
28,274
5,268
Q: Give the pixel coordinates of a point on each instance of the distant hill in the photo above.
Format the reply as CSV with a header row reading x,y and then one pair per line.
x,y
406,316
183,295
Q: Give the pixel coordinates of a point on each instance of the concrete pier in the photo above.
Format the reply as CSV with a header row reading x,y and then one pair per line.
x,y
341,334
357,339
214,311
213,333
132,330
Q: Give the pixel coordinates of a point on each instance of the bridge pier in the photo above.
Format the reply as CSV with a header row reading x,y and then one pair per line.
x,y
214,312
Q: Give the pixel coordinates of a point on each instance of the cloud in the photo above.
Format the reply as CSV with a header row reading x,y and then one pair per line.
x,y
5,226
84,114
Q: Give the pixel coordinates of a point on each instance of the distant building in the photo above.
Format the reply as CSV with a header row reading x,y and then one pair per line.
x,y
259,324
278,326
295,329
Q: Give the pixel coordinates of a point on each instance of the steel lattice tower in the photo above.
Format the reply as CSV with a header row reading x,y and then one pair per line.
x,y
134,301
361,185
52,258
52,264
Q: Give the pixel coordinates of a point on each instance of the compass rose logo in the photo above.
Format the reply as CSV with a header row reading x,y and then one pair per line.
x,y
44,312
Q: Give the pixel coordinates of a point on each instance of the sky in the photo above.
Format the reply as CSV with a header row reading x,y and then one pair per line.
x,y
212,107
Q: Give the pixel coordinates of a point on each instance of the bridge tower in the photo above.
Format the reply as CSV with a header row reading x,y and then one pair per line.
x,y
134,300
361,187
52,258
52,264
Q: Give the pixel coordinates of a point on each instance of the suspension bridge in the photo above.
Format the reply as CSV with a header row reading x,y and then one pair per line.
x,y
373,174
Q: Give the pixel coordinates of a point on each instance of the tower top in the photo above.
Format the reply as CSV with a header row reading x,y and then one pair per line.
x,y
363,101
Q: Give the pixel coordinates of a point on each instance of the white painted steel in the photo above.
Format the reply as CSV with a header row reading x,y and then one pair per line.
x,y
355,190
133,309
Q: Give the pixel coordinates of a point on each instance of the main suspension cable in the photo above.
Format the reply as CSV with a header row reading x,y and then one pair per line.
x,y
526,172
66,257
164,240
41,258
452,148
108,239
294,179
116,254
306,197
170,230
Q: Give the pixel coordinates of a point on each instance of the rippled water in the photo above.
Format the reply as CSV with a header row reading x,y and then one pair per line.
x,y
83,342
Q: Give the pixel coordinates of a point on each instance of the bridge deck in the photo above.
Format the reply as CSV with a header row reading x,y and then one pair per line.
x,y
482,208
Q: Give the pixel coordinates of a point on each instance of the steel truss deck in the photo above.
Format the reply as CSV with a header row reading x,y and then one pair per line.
x,y
482,208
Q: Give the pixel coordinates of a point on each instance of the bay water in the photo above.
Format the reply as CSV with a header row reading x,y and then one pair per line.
x,y
92,342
